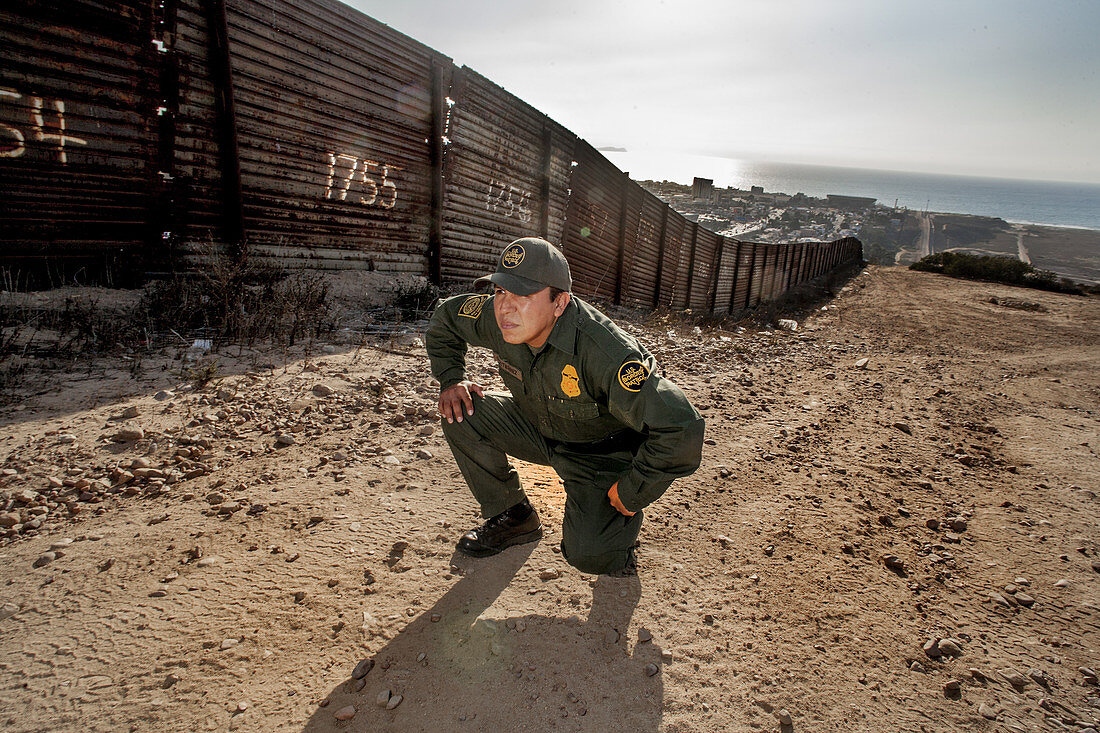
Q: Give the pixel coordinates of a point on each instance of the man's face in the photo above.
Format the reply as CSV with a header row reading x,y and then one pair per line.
x,y
527,319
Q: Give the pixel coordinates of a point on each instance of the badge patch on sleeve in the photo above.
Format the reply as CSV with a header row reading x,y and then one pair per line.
x,y
632,376
471,307
570,382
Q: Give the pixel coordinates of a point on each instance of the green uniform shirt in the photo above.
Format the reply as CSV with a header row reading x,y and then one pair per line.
x,y
591,381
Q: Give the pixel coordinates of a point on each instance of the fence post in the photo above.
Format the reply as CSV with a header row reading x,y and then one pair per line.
x,y
225,113
624,196
435,159
736,271
660,257
715,272
752,269
544,183
691,264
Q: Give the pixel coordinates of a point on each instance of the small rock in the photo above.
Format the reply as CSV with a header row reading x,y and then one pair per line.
x,y
1063,583
299,596
932,649
170,680
987,712
1014,678
1025,600
394,702
917,667
9,519
128,435
285,439
862,363
242,706
323,390
549,574
651,669
893,562
1096,565
361,669
1039,676
45,559
644,635
129,413
383,698
345,713
163,395
932,524
784,717
952,687
424,454
427,430
903,427
229,644
950,647
957,524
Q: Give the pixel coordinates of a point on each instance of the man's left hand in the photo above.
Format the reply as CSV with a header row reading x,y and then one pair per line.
x,y
613,495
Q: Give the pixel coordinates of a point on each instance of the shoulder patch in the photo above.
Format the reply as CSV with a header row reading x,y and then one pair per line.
x,y
632,376
471,307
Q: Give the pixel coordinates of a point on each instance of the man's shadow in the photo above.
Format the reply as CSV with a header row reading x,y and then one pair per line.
x,y
458,667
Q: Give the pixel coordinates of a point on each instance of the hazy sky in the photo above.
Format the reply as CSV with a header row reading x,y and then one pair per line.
x,y
973,87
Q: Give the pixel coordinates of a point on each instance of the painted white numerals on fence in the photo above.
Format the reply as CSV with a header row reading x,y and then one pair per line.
x,y
372,177
510,200
15,143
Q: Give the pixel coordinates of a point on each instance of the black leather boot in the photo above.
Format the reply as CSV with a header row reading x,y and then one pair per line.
x,y
516,525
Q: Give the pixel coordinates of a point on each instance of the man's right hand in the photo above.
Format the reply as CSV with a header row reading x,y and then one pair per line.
x,y
458,398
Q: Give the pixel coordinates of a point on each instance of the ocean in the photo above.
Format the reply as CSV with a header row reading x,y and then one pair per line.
x,y
1018,201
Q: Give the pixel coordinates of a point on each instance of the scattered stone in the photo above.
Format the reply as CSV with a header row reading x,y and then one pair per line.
x,y
361,669
784,717
893,562
345,713
45,559
644,635
987,712
952,688
1039,677
323,390
651,669
170,680
383,698
394,702
424,454
1000,600
1063,583
787,324
862,363
950,647
242,706
229,644
128,435
129,413
1014,678
958,524
549,574
1024,600
427,431
932,649
917,667
903,427
285,439
1096,565
163,395
299,596
9,519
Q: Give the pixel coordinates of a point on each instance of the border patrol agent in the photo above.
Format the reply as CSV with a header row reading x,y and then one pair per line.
x,y
584,400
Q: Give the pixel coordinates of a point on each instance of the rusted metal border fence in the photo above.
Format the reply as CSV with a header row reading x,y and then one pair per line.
x,y
141,135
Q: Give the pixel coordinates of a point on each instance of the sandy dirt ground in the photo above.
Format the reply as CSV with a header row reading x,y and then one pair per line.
x,y
895,528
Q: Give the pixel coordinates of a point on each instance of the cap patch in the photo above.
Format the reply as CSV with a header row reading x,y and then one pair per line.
x,y
471,307
512,256
570,382
632,376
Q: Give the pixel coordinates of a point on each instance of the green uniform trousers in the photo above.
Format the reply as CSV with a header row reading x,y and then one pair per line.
x,y
596,538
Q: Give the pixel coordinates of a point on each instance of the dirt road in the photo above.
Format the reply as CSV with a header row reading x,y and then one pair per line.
x,y
894,529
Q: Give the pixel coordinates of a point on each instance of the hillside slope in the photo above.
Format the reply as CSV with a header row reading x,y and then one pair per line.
x,y
846,513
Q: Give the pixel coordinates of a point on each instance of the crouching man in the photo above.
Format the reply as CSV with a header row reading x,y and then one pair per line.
x,y
585,400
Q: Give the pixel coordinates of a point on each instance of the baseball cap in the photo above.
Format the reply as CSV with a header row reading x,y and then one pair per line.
x,y
528,265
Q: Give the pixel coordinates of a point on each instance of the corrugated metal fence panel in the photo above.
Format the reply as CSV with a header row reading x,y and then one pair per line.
x,y
743,282
641,275
333,112
495,175
723,289
705,270
563,145
197,178
677,239
592,224
632,255
78,135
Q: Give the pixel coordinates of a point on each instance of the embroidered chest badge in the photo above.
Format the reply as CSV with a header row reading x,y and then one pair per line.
x,y
471,307
632,376
570,382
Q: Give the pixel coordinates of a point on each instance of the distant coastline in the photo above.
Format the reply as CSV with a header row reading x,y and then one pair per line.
x,y
1031,203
